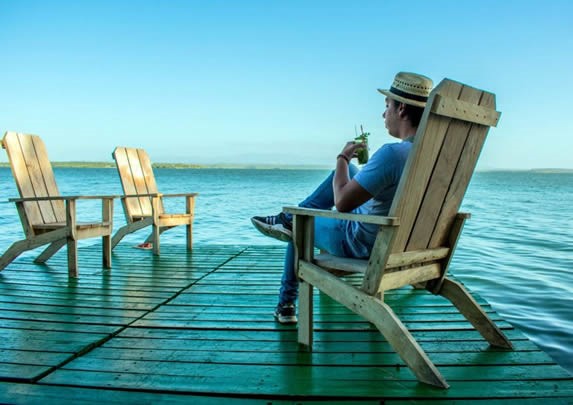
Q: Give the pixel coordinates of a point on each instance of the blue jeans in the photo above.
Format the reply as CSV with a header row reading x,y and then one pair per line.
x,y
329,235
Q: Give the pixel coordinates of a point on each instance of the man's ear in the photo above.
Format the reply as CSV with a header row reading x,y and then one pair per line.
x,y
402,111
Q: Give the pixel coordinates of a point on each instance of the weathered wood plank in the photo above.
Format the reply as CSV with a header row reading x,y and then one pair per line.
x,y
463,110
131,206
47,178
370,353
393,370
138,181
34,393
289,381
371,336
148,176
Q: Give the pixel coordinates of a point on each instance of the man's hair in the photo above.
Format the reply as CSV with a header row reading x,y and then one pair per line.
x,y
413,113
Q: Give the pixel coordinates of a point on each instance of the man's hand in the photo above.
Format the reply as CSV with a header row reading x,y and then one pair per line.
x,y
348,194
349,150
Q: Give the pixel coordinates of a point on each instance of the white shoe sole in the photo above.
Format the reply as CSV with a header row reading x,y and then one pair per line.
x,y
277,231
286,319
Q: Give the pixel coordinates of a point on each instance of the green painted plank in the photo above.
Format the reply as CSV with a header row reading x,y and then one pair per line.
x,y
45,394
281,343
7,334
24,372
331,358
47,346
487,401
7,309
57,326
277,345
222,306
35,358
232,314
79,297
94,302
114,279
290,334
47,317
269,324
393,371
74,292
310,381
86,289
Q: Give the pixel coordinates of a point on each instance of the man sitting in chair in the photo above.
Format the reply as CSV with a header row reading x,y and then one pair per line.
x,y
368,191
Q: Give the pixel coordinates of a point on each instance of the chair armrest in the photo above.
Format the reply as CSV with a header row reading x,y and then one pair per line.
x,y
370,219
65,198
123,197
151,195
180,195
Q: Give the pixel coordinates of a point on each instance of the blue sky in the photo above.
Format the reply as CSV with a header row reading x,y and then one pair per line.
x,y
276,82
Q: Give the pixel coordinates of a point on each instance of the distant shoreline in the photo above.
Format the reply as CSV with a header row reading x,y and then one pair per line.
x,y
111,165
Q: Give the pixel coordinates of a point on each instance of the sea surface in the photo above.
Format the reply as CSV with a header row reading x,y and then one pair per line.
x,y
516,251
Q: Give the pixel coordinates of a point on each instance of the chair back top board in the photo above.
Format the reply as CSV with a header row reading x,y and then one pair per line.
x,y
34,177
446,148
136,174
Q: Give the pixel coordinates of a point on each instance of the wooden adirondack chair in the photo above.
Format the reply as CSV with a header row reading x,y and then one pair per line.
x,y
143,204
47,217
415,243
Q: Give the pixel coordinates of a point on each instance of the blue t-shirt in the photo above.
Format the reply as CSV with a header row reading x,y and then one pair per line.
x,y
380,177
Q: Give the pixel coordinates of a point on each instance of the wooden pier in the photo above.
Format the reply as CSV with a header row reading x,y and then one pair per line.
x,y
198,328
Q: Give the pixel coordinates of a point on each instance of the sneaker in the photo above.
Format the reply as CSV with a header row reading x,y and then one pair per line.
x,y
286,313
275,226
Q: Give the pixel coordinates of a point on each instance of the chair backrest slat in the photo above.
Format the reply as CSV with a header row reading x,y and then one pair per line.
x,y
147,170
136,174
34,177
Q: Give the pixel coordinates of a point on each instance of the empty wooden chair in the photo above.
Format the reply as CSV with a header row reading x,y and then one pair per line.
x,y
143,204
47,217
415,243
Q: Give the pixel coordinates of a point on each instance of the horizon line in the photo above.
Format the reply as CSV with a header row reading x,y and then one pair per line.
x,y
262,166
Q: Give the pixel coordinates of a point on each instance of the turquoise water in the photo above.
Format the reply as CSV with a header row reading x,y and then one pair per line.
x,y
516,251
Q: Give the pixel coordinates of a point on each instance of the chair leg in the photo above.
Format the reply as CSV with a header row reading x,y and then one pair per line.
x,y
155,232
72,257
305,315
127,229
189,230
106,251
119,235
471,310
382,316
190,210
394,331
12,253
50,251
19,247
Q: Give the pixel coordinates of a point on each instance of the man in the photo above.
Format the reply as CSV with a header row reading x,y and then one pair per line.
x,y
368,191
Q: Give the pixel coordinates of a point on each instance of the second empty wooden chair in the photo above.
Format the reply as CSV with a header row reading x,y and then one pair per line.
x,y
143,204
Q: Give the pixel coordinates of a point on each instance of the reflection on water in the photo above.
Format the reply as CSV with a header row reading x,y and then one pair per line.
x,y
516,250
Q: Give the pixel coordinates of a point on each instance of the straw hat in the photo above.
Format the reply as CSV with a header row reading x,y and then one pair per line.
x,y
410,88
